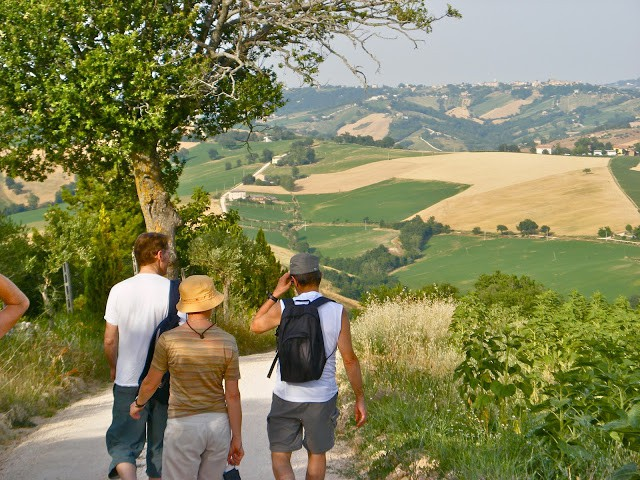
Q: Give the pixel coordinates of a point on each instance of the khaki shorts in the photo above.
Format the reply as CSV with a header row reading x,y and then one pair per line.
x,y
293,425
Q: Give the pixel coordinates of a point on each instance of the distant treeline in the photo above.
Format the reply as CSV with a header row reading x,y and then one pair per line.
x,y
357,275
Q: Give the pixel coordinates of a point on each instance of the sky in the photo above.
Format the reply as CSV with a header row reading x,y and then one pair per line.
x,y
590,41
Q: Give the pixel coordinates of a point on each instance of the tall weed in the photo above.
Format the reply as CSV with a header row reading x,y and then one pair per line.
x,y
42,368
411,335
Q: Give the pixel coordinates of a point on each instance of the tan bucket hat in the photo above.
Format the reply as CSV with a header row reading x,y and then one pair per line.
x,y
197,294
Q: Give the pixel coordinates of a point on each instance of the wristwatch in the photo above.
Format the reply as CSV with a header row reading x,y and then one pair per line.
x,y
135,402
271,296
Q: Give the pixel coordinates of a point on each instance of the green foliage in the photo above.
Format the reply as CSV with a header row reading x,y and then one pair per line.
x,y
503,147
527,227
19,260
508,290
95,235
356,275
217,246
415,233
604,232
565,375
386,142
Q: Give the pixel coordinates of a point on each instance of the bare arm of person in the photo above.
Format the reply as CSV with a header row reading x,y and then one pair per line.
x,y
268,315
352,367
147,388
234,410
15,304
111,347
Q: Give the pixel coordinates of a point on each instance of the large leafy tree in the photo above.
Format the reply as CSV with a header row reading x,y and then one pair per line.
x,y
92,86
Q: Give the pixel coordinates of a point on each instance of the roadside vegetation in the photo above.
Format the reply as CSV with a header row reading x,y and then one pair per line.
x,y
55,354
482,387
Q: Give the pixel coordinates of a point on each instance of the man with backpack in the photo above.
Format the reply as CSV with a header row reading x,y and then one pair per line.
x,y
304,404
135,308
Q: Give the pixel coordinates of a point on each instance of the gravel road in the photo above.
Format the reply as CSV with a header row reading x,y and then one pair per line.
x,y
71,445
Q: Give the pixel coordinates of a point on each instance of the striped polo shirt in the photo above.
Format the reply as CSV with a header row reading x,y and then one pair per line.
x,y
198,368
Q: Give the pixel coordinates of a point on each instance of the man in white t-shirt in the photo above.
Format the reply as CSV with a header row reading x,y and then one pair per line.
x,y
305,414
135,307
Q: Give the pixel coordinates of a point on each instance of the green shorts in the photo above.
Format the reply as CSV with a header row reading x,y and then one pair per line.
x,y
126,437
293,425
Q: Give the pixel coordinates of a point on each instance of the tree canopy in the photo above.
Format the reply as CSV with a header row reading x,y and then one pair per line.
x,y
94,86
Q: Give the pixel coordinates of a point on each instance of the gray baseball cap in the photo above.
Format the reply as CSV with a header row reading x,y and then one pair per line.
x,y
304,263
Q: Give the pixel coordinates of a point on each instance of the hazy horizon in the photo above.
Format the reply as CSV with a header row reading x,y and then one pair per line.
x,y
506,41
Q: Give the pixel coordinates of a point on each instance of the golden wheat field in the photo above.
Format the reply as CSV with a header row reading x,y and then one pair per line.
x,y
376,125
505,189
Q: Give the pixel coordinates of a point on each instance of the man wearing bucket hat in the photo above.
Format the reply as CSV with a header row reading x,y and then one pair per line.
x,y
203,431
305,414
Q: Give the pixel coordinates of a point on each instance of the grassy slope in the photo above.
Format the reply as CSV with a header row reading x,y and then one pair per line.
x,y
562,265
391,201
334,157
31,218
200,171
629,180
343,241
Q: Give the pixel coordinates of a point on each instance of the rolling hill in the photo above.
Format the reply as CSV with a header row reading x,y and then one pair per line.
x,y
468,117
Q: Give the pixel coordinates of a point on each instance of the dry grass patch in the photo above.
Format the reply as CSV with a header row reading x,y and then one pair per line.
x,y
571,203
459,112
45,191
509,110
409,333
376,125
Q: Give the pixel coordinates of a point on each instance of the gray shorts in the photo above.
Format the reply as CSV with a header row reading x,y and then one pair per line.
x,y
287,421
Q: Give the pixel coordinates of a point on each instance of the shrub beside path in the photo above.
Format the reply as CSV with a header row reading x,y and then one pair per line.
x,y
71,445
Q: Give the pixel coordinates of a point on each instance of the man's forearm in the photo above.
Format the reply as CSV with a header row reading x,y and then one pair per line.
x,y
234,410
111,352
354,375
147,389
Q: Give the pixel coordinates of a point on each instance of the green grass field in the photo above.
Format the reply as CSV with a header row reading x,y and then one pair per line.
x,y
263,213
491,102
345,241
200,171
628,179
32,218
562,265
391,201
336,157
273,238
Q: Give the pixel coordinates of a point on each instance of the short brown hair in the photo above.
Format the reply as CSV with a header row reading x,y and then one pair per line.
x,y
310,278
147,245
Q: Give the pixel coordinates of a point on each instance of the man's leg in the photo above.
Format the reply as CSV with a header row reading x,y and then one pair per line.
x,y
317,466
125,437
156,424
127,471
281,465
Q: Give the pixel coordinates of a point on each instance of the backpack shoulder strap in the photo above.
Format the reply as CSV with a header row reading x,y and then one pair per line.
x,y
166,324
318,302
288,302
174,297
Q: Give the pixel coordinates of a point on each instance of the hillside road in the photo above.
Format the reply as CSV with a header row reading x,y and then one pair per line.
x,y
71,445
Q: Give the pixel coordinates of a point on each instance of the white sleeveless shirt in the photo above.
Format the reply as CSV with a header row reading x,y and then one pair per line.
x,y
325,387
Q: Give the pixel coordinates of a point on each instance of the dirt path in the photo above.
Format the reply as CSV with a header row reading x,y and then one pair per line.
x,y
71,446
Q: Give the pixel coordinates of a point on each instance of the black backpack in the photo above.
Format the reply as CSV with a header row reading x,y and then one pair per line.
x,y
171,321
300,345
